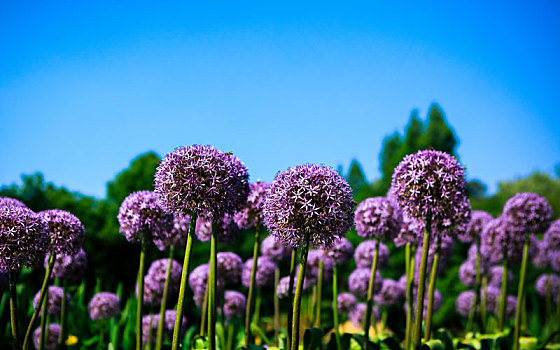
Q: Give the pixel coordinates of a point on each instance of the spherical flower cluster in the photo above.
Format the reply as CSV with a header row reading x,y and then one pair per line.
x,y
104,305
177,236
309,204
234,304
23,238
555,260
363,255
54,300
431,185
229,267
313,260
467,272
264,276
464,302
251,214
66,232
391,293
446,250
150,325
492,297
375,218
410,231
51,341
7,201
357,314
201,180
529,212
275,249
495,274
69,267
511,306
283,289
553,285
541,259
226,227
345,302
341,251
359,279
438,301
498,236
198,278
140,215
552,236
479,219
154,281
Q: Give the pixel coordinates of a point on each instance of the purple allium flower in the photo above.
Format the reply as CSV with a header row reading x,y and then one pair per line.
x,y
198,278
467,272
359,279
553,281
282,290
391,293
229,267
251,214
511,306
410,231
69,267
201,180
177,236
23,238
555,260
375,218
495,275
479,219
309,203
315,256
541,259
341,251
438,301
150,325
66,232
235,304
446,249
464,302
492,298
264,275
356,316
104,305
529,212
552,236
140,214
154,281
227,229
54,300
51,341
363,255
7,201
346,302
275,249
198,299
498,236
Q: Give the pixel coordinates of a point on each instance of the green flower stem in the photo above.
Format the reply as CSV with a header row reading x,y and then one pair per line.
x,y
141,268
13,309
417,331
43,336
319,294
276,306
478,280
297,296
291,298
384,316
212,289
335,307
369,305
204,311
230,333
483,304
42,294
558,312
63,307
182,288
409,295
102,334
148,346
431,290
250,296
503,293
520,293
258,303
159,336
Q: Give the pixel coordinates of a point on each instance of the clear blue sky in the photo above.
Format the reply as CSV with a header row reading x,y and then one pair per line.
x,y
87,86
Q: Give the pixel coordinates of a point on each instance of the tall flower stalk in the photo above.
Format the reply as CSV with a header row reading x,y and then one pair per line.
x,y
369,303
409,294
250,295
297,296
520,294
212,290
159,336
291,297
417,330
431,290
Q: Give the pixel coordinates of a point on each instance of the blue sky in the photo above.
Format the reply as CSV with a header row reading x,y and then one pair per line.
x,y
85,87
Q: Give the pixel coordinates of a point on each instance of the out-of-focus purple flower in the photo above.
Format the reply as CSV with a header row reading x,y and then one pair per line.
x,y
464,302
154,281
438,301
229,267
66,232
7,201
446,249
345,302
410,231
150,325
492,297
235,304
314,257
177,236
553,282
467,272
198,279
552,236
141,215
264,275
51,341
498,236
555,260
169,323
511,306
201,180
495,276
391,293
227,229
341,251
541,259
104,305
363,255
375,218
356,316
54,300
431,184
282,290
529,212
24,238
479,219
275,249
309,203
359,279
198,299
251,214
69,267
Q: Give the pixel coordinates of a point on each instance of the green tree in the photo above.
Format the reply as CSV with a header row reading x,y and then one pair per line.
x,y
356,178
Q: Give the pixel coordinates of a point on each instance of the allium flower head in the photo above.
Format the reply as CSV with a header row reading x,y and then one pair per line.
x,y
275,249
140,215
541,259
69,267
357,314
198,278
227,229
410,231
7,201
553,281
552,236
251,214
363,255
309,203
104,305
345,302
234,304
479,219
464,302
201,180
177,236
467,272
283,290
529,212
150,325
264,275
66,232
391,293
495,274
54,301
446,250
229,267
498,236
341,251
154,281
51,341
511,306
555,260
375,218
438,301
313,260
23,238
359,279
431,184
492,297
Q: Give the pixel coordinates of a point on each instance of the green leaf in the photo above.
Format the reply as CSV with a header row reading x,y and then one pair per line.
x,y
390,343
434,344
446,338
312,338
